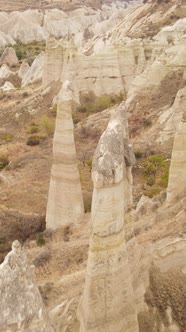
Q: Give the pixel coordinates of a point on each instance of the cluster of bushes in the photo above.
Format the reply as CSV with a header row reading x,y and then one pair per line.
x,y
92,104
28,50
155,174
40,132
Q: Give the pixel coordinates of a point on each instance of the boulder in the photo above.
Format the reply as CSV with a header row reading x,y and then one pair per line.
x,y
7,86
9,57
5,72
23,69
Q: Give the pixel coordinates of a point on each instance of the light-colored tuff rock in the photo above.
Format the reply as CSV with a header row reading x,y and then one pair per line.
x,y
108,302
23,69
9,57
36,25
177,175
5,72
24,26
35,72
171,117
65,201
7,86
6,40
21,306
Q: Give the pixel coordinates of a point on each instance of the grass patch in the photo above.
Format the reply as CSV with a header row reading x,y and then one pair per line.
x,y
33,128
40,240
47,124
7,137
90,103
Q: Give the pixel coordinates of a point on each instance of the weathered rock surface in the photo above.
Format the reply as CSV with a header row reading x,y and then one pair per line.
x,y
6,40
5,72
23,69
35,72
108,302
177,175
9,57
7,86
21,306
65,201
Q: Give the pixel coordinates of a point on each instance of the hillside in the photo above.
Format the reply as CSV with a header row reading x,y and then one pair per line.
x,y
118,71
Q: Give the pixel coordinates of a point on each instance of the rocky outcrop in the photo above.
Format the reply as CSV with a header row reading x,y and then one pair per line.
x,y
9,57
5,72
35,72
177,176
65,202
7,86
21,306
23,69
5,40
108,302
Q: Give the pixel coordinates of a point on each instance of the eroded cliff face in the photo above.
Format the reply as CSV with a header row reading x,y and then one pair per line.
x,y
177,181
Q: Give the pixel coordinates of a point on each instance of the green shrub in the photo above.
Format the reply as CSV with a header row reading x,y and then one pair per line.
x,y
4,160
7,137
90,103
154,164
40,240
20,51
155,173
89,163
150,180
33,128
54,110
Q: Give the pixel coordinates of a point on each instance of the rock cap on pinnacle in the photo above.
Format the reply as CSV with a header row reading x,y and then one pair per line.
x,y
66,92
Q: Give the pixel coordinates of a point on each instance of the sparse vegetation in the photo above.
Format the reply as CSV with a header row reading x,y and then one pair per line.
x,y
42,258
47,124
91,104
31,50
155,174
40,240
7,137
33,128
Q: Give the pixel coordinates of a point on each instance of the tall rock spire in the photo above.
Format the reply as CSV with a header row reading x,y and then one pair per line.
x,y
108,302
65,200
177,175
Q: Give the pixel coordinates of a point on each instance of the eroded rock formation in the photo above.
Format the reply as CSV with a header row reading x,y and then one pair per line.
x,y
9,57
65,201
108,302
21,306
177,177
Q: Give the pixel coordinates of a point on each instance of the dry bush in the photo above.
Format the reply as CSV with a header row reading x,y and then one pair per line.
x,y
42,258
4,159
